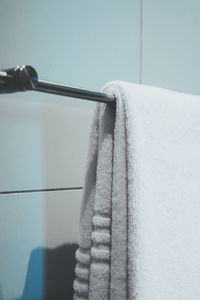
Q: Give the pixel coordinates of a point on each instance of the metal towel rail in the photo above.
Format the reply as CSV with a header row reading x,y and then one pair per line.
x,y
25,78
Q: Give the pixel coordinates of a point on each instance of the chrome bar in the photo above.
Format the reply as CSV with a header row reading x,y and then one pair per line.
x,y
25,78
70,91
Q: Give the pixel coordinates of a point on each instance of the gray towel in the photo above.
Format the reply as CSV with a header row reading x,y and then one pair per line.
x,y
102,256
139,223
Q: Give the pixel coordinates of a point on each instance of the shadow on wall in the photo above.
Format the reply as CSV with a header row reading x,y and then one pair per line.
x,y
50,274
1,295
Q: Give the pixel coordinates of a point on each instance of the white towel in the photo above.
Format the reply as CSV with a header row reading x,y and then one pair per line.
x,y
140,215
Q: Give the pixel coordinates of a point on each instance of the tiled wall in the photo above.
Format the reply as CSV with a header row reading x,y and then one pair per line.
x,y
44,138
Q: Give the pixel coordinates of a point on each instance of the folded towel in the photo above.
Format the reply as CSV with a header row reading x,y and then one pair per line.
x,y
140,214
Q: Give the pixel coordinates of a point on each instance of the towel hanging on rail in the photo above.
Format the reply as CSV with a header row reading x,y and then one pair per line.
x,y
140,211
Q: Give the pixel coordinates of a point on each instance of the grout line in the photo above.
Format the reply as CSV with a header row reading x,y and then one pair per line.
x,y
41,190
141,38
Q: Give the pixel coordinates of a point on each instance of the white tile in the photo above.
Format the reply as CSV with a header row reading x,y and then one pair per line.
x,y
43,142
171,44
86,44
61,217
29,221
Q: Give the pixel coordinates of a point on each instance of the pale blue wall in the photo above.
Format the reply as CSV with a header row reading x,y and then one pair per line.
x,y
79,42
171,44
44,138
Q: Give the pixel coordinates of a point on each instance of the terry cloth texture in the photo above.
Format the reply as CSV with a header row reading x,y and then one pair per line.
x,y
139,220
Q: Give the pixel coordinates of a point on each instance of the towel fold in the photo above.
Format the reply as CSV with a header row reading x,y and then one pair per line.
x,y
139,220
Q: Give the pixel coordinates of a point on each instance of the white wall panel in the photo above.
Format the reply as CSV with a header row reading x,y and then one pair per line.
x,y
43,142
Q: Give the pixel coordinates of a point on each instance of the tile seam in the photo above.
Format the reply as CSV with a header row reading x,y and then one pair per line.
x,y
40,190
